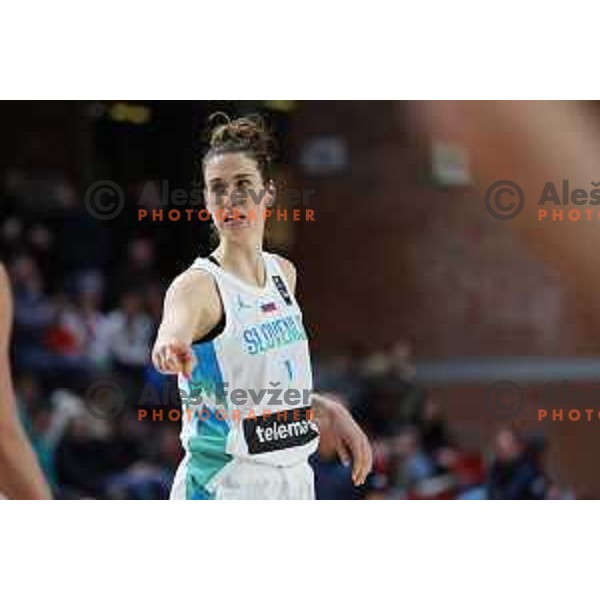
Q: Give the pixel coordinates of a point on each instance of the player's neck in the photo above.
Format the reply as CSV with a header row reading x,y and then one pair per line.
x,y
243,260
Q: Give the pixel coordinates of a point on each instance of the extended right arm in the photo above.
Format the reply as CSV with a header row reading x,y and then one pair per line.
x,y
191,308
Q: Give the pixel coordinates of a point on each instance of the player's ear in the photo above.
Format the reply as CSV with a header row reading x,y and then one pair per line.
x,y
271,194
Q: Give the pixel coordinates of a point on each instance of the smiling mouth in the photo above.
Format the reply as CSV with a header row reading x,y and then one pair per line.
x,y
237,220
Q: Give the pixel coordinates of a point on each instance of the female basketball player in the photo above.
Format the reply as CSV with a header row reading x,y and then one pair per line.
x,y
232,330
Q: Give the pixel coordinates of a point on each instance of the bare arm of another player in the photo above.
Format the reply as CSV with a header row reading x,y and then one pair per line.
x,y
191,309
531,143
351,443
20,475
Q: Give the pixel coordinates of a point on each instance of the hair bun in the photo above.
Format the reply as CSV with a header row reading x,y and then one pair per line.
x,y
244,134
250,130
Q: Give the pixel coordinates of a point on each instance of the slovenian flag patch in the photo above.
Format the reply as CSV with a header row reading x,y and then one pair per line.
x,y
268,307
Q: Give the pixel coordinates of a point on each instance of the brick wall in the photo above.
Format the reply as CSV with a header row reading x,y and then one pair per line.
x,y
392,254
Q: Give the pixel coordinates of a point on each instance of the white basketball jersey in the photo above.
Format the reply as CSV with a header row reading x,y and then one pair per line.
x,y
249,395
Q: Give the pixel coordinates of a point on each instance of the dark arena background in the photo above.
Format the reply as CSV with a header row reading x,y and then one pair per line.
x,y
416,300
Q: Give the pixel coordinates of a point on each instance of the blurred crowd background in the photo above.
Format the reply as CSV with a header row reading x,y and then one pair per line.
x,y
88,299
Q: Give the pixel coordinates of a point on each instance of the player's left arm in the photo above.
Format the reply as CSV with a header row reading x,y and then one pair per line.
x,y
351,442
289,270
20,475
352,445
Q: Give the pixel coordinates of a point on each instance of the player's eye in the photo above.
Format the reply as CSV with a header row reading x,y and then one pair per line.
x,y
218,188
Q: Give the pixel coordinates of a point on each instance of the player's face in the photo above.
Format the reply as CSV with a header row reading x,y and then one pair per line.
x,y
507,445
236,194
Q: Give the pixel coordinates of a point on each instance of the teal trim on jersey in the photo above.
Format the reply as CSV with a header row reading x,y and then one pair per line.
x,y
207,374
201,494
207,445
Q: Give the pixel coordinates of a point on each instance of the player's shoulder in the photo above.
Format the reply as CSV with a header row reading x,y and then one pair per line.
x,y
192,280
4,284
285,263
5,307
3,275
288,268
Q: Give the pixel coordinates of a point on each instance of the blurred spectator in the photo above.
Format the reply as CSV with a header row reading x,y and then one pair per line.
x,y
82,320
33,314
82,239
469,472
434,433
333,480
125,337
412,464
83,460
139,268
401,360
516,473
35,414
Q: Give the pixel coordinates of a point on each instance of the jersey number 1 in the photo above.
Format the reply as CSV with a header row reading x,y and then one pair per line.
x,y
288,366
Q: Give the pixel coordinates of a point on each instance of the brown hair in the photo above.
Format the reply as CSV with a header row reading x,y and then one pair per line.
x,y
245,134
